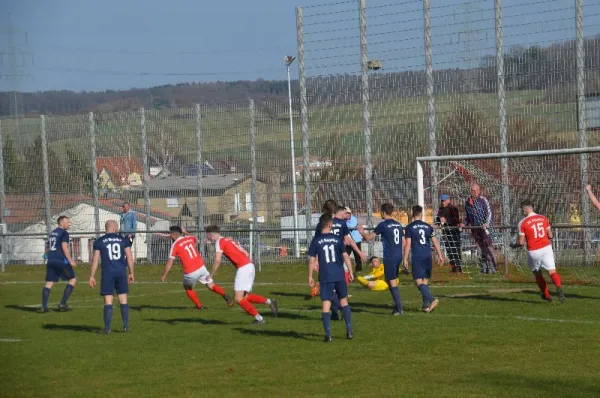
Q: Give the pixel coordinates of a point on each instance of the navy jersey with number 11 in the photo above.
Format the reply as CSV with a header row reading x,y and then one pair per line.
x,y
329,250
420,234
391,237
112,253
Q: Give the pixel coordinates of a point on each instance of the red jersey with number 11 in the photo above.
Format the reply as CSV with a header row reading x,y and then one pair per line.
x,y
535,229
185,248
233,251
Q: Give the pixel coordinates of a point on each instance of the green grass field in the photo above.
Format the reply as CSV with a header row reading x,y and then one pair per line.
x,y
490,338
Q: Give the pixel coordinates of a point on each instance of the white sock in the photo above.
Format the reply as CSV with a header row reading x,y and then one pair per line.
x,y
268,302
258,317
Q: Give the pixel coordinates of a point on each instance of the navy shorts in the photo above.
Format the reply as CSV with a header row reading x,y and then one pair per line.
x,y
328,290
59,271
390,268
111,283
421,268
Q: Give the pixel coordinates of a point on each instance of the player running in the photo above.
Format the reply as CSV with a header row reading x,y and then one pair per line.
x,y
113,251
419,238
392,237
59,265
185,247
244,277
535,230
329,251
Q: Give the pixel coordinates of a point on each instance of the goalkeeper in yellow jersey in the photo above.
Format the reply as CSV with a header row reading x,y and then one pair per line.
x,y
375,279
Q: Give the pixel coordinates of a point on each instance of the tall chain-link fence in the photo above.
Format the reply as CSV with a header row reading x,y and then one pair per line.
x,y
379,84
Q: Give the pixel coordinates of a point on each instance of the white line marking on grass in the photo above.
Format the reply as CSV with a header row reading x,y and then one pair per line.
x,y
10,340
100,298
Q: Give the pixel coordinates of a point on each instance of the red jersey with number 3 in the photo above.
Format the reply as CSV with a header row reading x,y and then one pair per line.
x,y
233,251
185,248
535,229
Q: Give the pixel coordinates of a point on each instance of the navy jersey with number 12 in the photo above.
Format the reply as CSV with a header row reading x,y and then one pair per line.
x,y
112,253
420,234
329,250
391,237
56,254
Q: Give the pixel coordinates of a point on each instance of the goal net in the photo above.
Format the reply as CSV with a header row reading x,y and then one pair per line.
x,y
553,180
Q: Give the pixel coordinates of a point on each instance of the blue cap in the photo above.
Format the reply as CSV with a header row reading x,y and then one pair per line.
x,y
444,197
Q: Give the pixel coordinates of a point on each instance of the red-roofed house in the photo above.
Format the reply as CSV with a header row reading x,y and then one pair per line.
x,y
118,172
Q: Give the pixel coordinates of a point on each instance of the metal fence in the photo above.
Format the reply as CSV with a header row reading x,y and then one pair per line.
x,y
379,84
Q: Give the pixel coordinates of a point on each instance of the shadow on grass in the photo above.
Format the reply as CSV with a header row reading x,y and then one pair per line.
x,y
551,386
277,333
72,328
567,295
291,315
22,308
157,307
485,297
201,321
298,295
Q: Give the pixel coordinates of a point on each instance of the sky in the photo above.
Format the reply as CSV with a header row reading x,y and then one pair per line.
x,y
86,45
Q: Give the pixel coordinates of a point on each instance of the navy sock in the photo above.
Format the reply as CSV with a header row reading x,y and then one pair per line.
x,y
335,305
45,297
347,318
326,318
125,315
107,316
426,293
66,294
396,296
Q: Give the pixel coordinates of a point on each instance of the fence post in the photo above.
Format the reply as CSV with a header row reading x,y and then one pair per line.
x,y
3,251
200,204
46,174
362,14
582,127
430,107
94,175
253,187
508,257
146,181
304,125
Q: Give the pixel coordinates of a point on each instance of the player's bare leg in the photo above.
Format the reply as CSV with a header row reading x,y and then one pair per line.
x,y
108,311
124,311
558,283
221,292
45,296
67,293
240,298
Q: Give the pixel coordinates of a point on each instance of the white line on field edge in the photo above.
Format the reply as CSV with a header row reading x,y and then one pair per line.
x,y
10,340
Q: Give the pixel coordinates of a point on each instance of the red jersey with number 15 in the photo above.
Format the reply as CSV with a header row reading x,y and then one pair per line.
x,y
233,251
535,229
185,248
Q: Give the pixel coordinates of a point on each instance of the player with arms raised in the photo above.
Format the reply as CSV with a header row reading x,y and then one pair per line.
x,y
113,251
59,265
329,251
535,230
244,276
185,247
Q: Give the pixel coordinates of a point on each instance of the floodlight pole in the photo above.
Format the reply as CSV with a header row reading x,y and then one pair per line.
x,y
288,62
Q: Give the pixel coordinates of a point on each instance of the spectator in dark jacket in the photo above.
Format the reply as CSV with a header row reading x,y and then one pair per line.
x,y
448,219
478,215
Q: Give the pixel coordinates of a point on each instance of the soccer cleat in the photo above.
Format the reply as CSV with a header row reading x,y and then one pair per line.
x,y
200,308
561,295
42,310
104,331
64,308
274,307
327,339
425,306
432,306
548,299
126,330
349,335
229,300
398,313
258,322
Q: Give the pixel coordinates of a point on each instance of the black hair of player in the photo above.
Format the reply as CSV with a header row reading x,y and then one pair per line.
x,y
372,258
329,206
60,219
527,203
324,220
340,208
417,211
213,229
387,208
177,229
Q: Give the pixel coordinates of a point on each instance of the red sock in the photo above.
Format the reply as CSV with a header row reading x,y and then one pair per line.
x,y
556,279
249,308
194,297
218,289
256,299
541,282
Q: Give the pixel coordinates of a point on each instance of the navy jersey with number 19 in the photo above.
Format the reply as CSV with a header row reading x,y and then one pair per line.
x,y
391,237
329,250
420,234
112,253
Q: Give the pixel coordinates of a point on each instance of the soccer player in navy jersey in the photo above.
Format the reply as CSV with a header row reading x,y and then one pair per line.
x,y
113,251
419,238
392,238
329,252
59,265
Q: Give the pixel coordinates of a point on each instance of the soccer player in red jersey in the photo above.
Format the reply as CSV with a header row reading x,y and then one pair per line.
x,y
535,230
184,247
244,277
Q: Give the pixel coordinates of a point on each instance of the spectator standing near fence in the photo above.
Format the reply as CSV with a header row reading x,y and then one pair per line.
x,y
478,215
592,197
352,223
128,222
448,219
